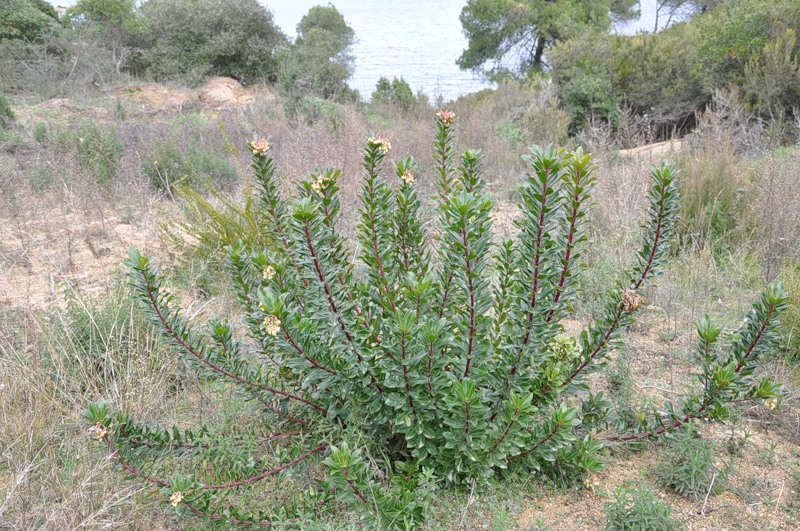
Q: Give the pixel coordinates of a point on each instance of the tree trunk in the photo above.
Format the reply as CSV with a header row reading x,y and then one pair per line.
x,y
537,55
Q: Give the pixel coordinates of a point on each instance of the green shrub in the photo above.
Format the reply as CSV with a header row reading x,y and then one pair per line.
x,y
10,140
169,166
205,230
99,151
191,41
319,62
395,92
733,34
40,176
689,466
6,114
40,133
26,20
430,359
772,80
589,98
668,76
636,507
790,324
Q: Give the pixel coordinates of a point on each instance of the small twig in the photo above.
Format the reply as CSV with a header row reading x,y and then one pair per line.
x,y
656,388
710,487
466,506
777,501
717,508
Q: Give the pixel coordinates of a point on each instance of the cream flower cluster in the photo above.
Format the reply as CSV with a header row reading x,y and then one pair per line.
x,y
319,183
260,147
269,272
381,143
771,403
98,431
407,177
446,117
272,325
176,498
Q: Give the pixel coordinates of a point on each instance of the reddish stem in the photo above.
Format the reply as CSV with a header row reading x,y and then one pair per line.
x,y
138,473
216,368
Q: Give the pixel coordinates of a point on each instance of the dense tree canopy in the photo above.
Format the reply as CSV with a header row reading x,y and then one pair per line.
x,y
190,40
747,46
113,24
511,36
28,20
319,62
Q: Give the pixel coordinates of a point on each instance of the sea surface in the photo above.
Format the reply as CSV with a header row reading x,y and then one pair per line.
x,y
418,40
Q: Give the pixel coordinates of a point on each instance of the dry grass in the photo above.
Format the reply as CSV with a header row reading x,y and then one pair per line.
x,y
61,232
50,477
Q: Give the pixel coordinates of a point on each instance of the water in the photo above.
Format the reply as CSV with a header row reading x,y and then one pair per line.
x,y
418,40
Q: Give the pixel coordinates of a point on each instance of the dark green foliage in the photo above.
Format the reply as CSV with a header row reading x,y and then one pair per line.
x,y
636,507
650,74
499,31
434,357
27,20
190,41
112,24
689,465
395,92
588,98
749,45
772,80
735,32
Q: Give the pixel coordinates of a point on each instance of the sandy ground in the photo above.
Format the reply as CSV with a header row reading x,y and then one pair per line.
x,y
48,246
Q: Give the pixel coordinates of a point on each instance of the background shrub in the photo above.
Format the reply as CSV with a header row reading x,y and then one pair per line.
x,y
190,41
26,20
168,165
6,114
747,45
41,133
636,507
99,150
317,65
210,222
689,465
790,276
395,92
